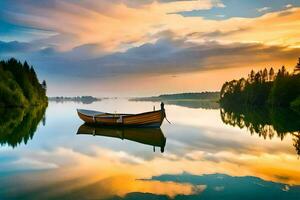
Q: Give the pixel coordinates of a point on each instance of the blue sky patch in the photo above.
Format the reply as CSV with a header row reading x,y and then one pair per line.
x,y
243,9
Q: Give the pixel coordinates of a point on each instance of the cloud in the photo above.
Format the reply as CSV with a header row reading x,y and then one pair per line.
x,y
119,25
165,56
217,33
30,164
121,38
111,23
177,56
24,164
264,9
18,49
284,13
15,46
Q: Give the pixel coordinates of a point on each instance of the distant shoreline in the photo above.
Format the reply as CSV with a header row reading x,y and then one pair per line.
x,y
81,99
206,100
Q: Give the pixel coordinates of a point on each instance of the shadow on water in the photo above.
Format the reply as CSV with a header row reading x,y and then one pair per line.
x,y
18,125
148,136
266,122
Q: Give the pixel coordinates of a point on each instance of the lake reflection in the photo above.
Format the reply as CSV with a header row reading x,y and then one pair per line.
x,y
19,125
266,122
203,158
149,136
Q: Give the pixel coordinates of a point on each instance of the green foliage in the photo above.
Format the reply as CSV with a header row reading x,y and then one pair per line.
x,y
19,86
295,105
285,90
262,88
10,92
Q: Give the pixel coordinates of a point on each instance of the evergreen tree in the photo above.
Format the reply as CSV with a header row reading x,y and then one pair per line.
x,y
265,75
44,85
26,66
257,77
271,74
297,67
252,76
19,85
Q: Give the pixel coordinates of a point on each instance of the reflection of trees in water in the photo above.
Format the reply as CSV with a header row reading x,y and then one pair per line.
x,y
82,99
296,140
19,125
205,104
266,122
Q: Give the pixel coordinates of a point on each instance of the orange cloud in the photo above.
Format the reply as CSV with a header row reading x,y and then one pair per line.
x,y
116,26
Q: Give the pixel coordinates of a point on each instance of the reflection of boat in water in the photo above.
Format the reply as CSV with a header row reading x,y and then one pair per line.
x,y
147,119
148,136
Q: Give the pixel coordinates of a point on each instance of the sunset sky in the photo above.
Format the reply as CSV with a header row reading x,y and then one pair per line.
x,y
148,47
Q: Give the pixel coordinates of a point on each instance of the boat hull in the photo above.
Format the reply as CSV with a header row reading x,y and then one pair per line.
x,y
152,119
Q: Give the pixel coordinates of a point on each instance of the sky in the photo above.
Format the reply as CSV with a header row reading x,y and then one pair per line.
x,y
148,47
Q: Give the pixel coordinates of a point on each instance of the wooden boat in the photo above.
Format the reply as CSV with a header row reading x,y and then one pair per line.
x,y
147,119
148,136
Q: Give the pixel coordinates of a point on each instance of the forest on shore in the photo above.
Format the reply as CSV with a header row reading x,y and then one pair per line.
x,y
264,88
19,85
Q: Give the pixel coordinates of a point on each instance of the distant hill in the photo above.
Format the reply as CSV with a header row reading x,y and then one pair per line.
x,y
207,100
19,85
82,99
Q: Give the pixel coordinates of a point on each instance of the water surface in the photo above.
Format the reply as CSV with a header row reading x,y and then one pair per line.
x,y
197,156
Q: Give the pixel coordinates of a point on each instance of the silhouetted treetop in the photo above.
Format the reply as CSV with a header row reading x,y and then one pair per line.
x,y
264,87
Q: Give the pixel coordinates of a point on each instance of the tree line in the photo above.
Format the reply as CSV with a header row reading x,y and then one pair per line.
x,y
19,85
181,96
265,87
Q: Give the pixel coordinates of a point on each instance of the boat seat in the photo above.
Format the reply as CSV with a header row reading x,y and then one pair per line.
x,y
110,115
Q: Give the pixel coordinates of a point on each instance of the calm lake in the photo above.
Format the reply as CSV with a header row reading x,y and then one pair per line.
x,y
203,154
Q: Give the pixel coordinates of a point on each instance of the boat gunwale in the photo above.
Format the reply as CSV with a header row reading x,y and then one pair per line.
x,y
118,115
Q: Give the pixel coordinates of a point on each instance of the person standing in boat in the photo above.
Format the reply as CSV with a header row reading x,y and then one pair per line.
x,y
162,108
